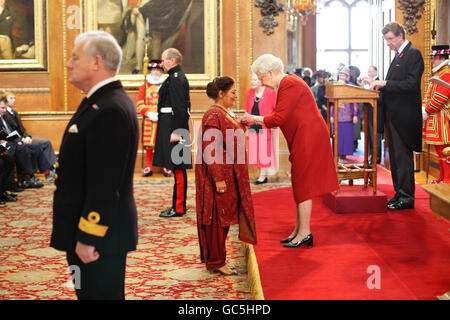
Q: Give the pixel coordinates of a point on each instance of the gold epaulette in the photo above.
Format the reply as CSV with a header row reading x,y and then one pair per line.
x,y
91,226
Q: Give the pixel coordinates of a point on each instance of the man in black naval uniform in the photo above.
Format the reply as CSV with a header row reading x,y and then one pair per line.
x,y
94,212
172,146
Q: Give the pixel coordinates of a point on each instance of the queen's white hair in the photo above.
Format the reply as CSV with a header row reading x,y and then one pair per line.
x,y
307,69
266,63
103,44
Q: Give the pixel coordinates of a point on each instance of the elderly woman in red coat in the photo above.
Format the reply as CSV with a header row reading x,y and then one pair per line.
x,y
308,139
262,142
223,195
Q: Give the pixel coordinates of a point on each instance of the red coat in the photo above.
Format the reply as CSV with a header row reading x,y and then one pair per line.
x,y
150,127
235,206
265,106
437,127
308,139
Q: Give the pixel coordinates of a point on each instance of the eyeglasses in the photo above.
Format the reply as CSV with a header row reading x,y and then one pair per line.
x,y
390,39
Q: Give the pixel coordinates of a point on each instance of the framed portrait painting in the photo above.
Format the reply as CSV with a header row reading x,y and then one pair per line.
x,y
145,28
22,35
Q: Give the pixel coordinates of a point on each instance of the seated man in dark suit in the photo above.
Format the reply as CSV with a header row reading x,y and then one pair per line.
x,y
13,119
24,154
6,169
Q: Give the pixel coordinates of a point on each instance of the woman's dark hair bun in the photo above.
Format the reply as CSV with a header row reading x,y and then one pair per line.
x,y
219,83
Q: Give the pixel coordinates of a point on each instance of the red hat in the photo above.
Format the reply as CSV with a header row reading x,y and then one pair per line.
x,y
318,74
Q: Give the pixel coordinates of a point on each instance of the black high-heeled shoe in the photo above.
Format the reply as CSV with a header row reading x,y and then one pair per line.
x,y
308,240
287,240
261,182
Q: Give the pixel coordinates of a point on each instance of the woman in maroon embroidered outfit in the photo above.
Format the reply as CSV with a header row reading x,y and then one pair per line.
x,y
223,196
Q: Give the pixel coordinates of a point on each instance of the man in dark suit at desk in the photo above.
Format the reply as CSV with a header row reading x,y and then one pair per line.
x,y
94,212
401,96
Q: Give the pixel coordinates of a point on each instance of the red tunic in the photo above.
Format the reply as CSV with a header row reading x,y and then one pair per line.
x,y
235,206
150,127
437,127
308,139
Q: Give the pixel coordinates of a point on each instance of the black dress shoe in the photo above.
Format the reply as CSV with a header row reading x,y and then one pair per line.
x,y
287,240
2,203
7,198
167,210
171,214
34,184
261,182
22,184
401,204
308,240
147,174
37,180
394,199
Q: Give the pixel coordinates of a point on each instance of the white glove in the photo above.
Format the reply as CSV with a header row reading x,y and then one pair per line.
x,y
152,116
424,114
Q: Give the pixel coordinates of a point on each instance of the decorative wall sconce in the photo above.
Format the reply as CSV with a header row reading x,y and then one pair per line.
x,y
269,9
412,12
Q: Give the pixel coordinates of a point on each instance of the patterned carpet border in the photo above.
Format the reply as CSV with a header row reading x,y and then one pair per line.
x,y
166,264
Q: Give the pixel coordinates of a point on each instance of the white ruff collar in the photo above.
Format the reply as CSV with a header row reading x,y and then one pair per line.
x,y
443,64
154,81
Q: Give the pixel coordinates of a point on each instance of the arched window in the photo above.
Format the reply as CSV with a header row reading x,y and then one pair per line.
x,y
343,34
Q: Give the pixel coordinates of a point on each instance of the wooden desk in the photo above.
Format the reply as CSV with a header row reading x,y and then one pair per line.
x,y
440,205
439,199
337,94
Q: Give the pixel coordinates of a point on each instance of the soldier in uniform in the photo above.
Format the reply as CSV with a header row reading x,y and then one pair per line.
x,y
94,212
436,110
149,111
172,147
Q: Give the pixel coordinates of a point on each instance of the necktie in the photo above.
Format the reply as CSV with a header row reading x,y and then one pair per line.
x,y
7,129
395,57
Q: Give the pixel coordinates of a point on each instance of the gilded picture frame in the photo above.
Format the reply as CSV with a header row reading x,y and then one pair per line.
x,y
440,22
23,35
188,25
437,24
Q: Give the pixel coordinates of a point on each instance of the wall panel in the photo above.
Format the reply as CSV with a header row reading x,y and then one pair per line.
x,y
47,100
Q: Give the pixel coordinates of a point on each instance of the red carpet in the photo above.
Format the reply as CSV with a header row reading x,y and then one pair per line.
x,y
411,248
